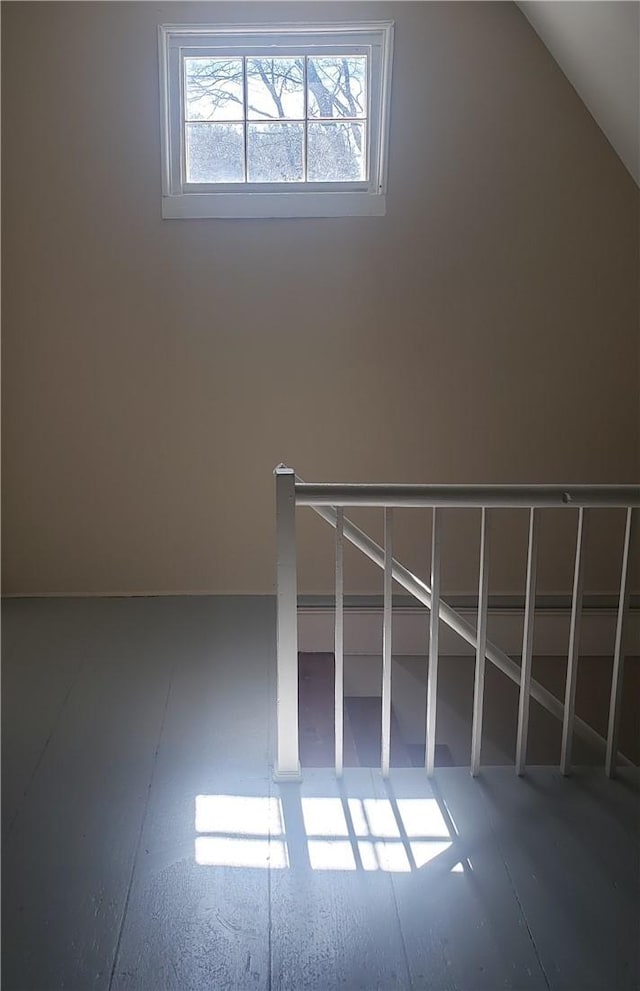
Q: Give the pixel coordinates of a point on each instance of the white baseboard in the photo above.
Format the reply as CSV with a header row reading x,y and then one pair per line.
x,y
363,631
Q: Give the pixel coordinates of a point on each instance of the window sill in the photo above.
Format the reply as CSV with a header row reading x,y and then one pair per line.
x,y
264,205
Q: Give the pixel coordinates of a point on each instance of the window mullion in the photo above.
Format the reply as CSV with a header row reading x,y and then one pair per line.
x,y
367,131
245,104
306,117
182,97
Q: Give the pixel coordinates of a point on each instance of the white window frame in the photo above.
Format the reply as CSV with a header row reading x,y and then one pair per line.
x,y
181,199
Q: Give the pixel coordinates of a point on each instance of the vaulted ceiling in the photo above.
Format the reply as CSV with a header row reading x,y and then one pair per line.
x,y
597,46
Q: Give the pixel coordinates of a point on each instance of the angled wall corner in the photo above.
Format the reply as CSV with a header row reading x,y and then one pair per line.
x,y
597,46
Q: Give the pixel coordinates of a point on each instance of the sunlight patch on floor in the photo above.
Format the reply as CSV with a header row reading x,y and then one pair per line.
x,y
240,814
228,851
335,834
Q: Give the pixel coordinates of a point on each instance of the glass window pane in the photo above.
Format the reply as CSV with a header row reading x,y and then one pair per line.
x,y
335,152
337,86
215,152
275,88
213,89
274,152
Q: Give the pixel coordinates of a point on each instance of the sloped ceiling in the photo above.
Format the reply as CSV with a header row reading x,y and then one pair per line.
x,y
597,46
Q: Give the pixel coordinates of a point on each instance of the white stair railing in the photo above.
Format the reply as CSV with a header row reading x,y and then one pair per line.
x,y
329,500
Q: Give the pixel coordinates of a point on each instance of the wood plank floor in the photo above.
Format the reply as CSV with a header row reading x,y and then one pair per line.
x,y
146,847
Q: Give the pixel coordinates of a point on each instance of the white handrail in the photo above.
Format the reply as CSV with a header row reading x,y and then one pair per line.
x,y
467,496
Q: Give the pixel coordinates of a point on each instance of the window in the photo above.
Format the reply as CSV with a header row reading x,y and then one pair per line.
x,y
278,121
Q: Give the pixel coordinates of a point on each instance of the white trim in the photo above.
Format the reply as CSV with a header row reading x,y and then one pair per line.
x,y
144,594
178,202
248,205
363,632
287,777
384,116
300,28
363,626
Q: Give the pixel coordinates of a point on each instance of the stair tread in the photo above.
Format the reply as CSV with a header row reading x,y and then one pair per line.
x,y
362,720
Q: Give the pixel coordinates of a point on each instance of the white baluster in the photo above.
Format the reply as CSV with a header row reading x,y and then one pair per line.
x,y
574,643
618,653
434,625
527,646
478,688
386,644
339,642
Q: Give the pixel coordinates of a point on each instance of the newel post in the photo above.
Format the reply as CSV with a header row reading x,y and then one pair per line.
x,y
287,758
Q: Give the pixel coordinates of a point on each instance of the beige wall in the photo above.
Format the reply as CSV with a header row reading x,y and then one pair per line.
x,y
156,371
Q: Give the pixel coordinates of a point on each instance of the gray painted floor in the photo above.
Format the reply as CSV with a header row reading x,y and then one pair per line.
x,y
145,846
